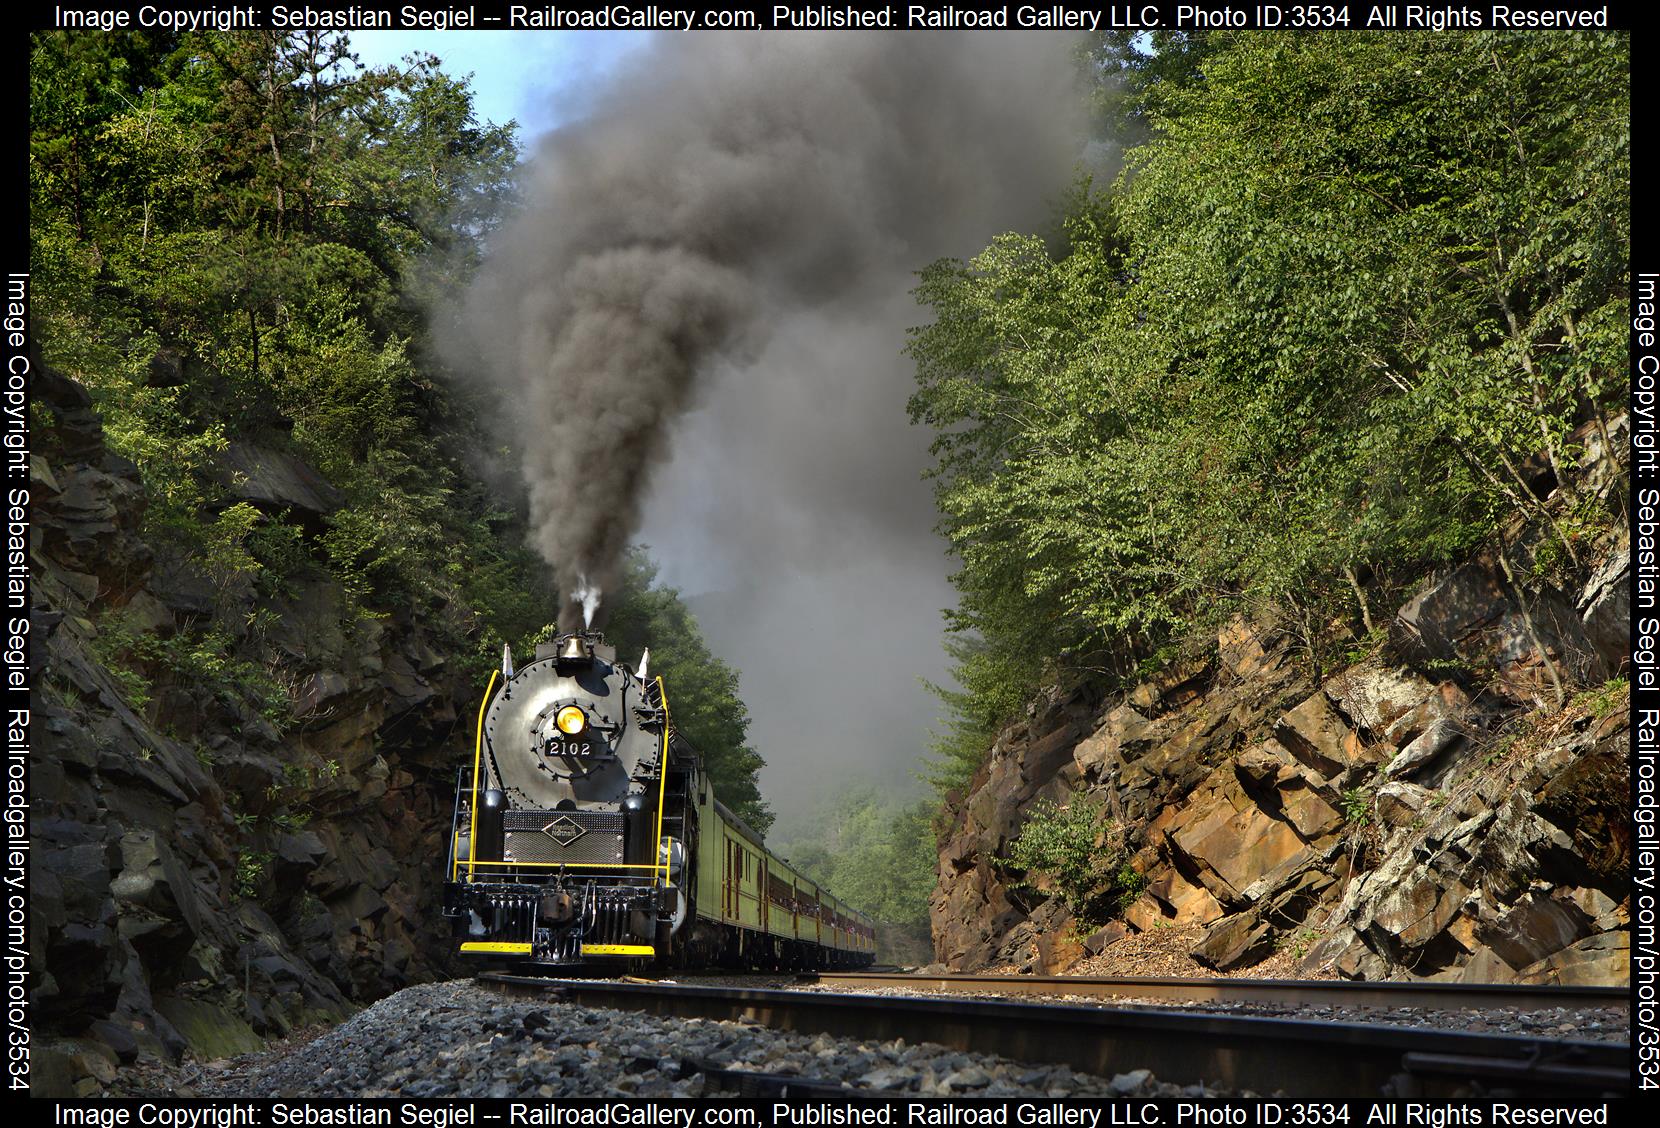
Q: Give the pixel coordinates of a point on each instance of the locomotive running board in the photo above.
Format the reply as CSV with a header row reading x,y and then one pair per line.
x,y
494,948
618,950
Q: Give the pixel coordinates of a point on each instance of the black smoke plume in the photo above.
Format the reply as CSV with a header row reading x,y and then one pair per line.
x,y
720,184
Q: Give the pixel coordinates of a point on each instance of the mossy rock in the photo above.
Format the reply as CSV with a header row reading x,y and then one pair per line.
x,y
212,1031
52,1073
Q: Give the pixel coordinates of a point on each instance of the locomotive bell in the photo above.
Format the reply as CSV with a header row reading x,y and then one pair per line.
x,y
574,654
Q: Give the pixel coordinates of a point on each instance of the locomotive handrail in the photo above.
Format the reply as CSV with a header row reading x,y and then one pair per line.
x,y
453,863
570,865
478,752
662,777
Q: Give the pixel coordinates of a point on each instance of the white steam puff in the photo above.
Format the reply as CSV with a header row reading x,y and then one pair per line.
x,y
586,596
720,184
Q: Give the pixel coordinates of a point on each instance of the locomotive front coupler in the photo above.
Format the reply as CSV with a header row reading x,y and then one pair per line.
x,y
556,903
557,906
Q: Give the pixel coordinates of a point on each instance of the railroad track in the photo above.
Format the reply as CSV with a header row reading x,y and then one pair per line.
x,y
1291,993
1300,1058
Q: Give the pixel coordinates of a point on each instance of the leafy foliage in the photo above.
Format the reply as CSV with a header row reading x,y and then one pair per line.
x,y
1605,698
207,661
1347,288
1357,806
1082,852
248,237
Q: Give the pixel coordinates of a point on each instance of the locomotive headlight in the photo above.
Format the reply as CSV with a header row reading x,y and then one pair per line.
x,y
571,720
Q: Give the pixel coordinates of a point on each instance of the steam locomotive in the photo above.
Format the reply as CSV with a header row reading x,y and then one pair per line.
x,y
587,833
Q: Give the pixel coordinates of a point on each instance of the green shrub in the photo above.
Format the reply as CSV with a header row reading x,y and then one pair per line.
x,y
1357,806
1603,699
1082,851
251,868
120,649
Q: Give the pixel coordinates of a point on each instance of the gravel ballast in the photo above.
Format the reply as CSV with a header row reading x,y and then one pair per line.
x,y
458,1040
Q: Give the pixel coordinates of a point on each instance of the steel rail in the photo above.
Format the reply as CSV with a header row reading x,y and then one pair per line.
x,y
1287,992
1298,1058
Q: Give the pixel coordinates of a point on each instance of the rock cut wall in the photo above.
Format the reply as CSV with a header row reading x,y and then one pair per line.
x,y
1426,812
202,879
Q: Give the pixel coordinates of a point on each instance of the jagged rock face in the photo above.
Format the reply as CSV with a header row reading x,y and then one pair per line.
x,y
276,480
1513,873
1470,617
170,907
1415,825
1141,754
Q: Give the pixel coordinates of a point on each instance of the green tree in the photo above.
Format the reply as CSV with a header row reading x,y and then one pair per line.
x,y
1082,852
1348,287
877,853
235,238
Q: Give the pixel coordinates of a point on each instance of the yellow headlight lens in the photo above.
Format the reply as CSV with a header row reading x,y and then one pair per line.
x,y
571,720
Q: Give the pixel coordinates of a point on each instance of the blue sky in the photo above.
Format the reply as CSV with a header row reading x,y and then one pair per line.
x,y
537,78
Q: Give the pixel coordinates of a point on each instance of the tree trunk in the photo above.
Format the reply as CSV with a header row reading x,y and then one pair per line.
x,y
1544,510
1571,333
1536,390
149,191
1360,597
1532,630
273,119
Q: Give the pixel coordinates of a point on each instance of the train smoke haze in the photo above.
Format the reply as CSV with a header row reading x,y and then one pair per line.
x,y
715,262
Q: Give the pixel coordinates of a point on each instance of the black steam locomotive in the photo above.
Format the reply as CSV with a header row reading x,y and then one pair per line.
x,y
586,833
